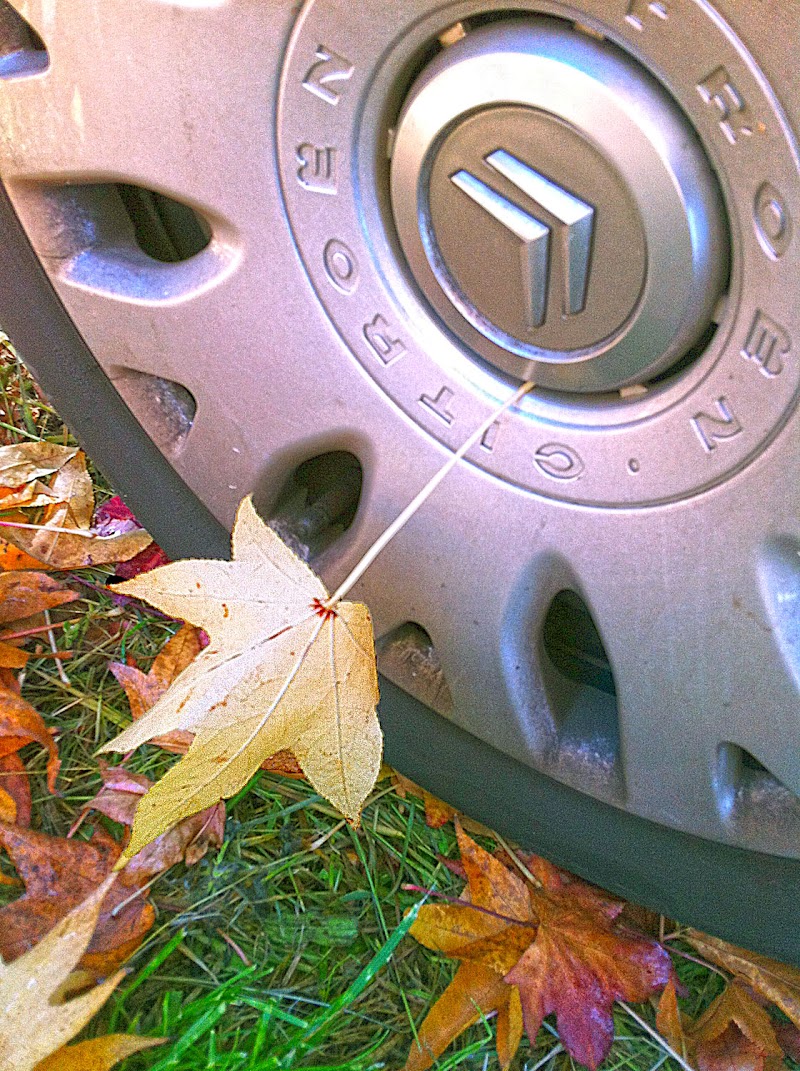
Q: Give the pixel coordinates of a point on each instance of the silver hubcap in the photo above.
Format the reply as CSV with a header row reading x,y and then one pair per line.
x,y
557,209
318,320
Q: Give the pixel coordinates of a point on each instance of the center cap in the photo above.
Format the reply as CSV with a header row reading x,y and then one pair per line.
x,y
556,208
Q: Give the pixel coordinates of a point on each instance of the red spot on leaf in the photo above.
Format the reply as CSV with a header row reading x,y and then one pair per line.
x,y
323,611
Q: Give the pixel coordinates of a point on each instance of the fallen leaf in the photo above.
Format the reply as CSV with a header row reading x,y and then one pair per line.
x,y
24,597
557,943
72,508
788,1037
437,812
97,1054
58,874
15,790
22,724
145,689
37,1021
21,463
777,982
733,1034
188,840
12,558
281,672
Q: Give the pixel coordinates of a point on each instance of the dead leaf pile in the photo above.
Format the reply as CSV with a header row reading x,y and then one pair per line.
x,y
281,672
49,486
37,1021
528,949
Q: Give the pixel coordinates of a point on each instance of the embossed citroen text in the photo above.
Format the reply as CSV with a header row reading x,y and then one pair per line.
x,y
575,217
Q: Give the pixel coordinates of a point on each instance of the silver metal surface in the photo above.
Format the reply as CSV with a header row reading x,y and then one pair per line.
x,y
599,126
673,513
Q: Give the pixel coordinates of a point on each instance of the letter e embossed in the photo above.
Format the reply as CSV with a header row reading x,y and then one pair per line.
x,y
639,10
766,345
317,170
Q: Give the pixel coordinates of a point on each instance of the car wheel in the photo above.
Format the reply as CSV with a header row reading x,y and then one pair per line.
x,y
303,255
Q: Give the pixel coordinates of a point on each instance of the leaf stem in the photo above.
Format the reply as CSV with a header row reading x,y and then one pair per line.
x,y
422,496
49,528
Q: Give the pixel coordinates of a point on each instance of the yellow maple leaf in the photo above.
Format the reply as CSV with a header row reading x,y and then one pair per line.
x,y
283,670
35,1021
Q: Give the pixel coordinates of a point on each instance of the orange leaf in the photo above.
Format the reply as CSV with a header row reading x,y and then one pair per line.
x,y
12,558
474,991
21,724
24,594
559,945
736,1034
59,874
15,785
98,1054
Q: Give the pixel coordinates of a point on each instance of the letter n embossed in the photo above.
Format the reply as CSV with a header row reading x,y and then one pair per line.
x,y
329,69
714,428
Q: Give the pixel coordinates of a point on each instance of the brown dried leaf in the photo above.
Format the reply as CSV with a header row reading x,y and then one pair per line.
x,y
58,874
777,982
21,463
74,502
735,1034
98,1054
189,840
16,790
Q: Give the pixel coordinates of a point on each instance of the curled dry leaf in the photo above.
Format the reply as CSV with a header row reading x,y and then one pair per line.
x,y
557,945
22,463
58,874
776,982
188,840
71,508
280,672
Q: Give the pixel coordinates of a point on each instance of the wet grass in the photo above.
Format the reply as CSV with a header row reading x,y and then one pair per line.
x,y
285,949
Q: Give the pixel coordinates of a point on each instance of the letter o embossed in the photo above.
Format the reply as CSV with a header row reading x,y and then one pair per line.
x,y
341,266
772,220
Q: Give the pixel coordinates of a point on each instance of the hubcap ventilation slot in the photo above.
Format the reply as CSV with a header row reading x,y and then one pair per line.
x,y
22,51
124,241
407,656
752,798
583,695
164,229
318,503
165,409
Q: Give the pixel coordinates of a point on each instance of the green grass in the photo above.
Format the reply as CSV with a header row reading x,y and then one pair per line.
x,y
286,948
